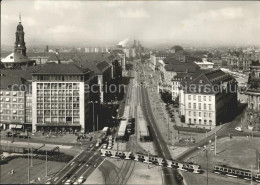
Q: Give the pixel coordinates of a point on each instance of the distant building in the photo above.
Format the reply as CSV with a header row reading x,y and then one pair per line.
x,y
122,56
209,99
96,50
205,64
176,49
240,61
253,92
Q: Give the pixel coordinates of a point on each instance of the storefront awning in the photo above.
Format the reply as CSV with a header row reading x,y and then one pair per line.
x,y
19,126
12,126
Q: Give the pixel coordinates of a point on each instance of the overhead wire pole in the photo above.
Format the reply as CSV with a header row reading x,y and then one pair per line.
x,y
251,174
28,159
46,165
206,150
215,143
31,156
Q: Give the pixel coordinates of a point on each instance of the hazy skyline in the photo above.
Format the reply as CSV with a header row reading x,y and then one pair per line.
x,y
88,23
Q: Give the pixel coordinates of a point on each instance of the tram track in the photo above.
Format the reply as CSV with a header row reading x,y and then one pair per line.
x,y
160,144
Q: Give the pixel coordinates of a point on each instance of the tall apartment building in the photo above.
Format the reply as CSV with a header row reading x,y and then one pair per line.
x,y
209,99
60,97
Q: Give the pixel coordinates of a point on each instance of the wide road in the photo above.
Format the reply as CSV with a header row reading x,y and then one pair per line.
x,y
169,175
82,165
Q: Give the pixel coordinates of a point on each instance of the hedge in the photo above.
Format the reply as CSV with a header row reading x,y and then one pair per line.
x,y
61,157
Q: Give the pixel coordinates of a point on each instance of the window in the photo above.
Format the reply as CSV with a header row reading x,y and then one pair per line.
x,y
210,122
195,121
205,114
204,98
194,97
189,97
194,105
209,98
189,105
199,106
189,113
205,106
199,98
194,113
199,121
210,114
209,106
200,114
205,122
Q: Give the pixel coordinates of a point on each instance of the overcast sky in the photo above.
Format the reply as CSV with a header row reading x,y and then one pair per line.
x,y
88,22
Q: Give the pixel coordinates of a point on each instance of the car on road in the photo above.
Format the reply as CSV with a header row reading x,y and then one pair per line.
x,y
72,163
68,182
179,177
80,163
239,129
104,146
90,146
48,181
81,180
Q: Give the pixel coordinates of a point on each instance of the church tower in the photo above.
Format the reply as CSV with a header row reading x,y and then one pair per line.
x,y
19,45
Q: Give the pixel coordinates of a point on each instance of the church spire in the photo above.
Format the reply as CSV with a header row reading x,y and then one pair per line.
x,y
20,17
19,45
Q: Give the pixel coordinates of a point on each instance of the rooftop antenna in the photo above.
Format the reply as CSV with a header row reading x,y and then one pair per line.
x,y
20,18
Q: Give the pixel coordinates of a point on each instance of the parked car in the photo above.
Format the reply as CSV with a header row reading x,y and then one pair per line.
x,y
239,129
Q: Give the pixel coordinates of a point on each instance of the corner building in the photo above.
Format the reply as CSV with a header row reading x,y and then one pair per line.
x,y
208,100
60,98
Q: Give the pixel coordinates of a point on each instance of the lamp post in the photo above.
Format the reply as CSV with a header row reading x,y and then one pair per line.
x,y
206,150
28,158
31,156
46,165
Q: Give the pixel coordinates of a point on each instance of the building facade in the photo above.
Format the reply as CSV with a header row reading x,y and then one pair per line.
x,y
15,104
60,99
209,99
253,93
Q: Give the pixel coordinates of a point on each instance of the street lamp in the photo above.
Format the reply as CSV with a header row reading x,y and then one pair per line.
x,y
206,150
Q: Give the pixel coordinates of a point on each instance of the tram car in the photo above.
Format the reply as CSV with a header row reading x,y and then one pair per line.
x,y
120,154
232,172
191,167
257,177
139,157
106,153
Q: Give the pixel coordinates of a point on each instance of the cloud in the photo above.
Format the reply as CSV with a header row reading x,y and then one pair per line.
x,y
113,4
220,14
136,14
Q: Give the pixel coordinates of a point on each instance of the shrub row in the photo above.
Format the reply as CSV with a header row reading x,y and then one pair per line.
x,y
61,157
191,129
